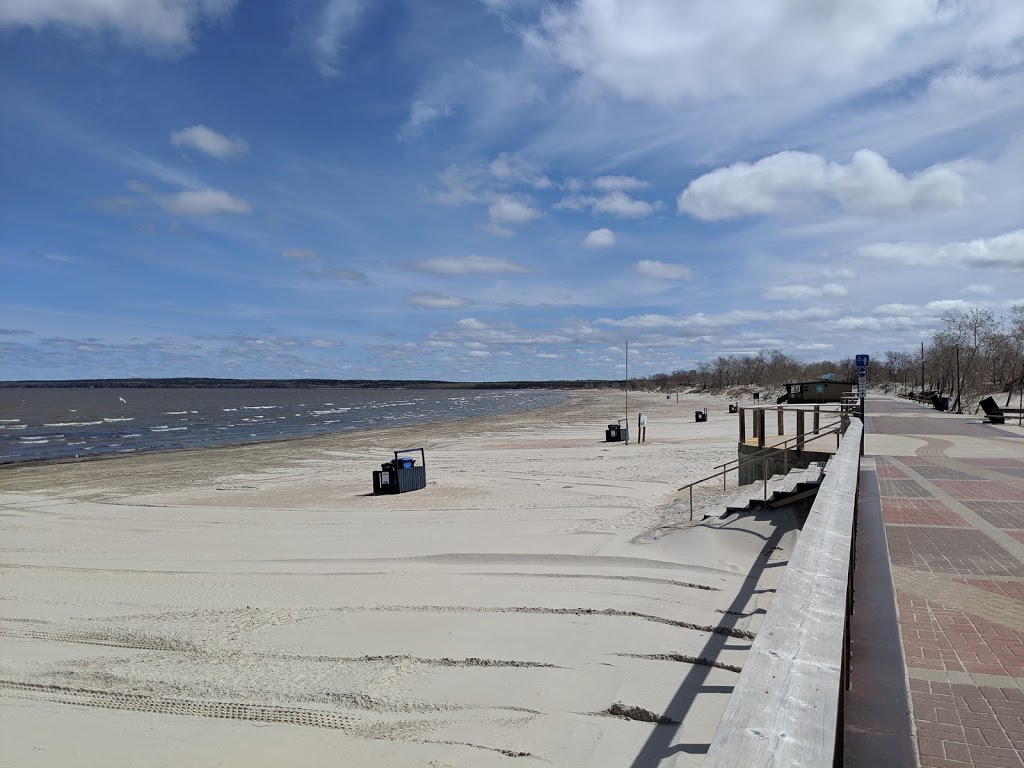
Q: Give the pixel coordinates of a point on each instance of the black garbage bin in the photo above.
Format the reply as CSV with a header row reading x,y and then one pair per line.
x,y
612,434
700,416
401,474
733,408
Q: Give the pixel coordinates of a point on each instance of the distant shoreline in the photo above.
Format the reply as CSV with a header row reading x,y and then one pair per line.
x,y
214,383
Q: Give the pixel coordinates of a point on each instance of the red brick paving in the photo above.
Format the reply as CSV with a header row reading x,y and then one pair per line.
x,y
980,489
899,511
957,724
957,551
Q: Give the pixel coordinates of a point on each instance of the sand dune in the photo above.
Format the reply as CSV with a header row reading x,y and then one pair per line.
x,y
537,603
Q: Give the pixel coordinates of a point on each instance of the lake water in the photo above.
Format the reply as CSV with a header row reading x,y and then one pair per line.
x,y
38,423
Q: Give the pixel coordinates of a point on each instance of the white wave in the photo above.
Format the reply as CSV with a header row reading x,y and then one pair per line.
x,y
119,418
73,424
13,426
166,429
229,409
34,440
9,421
260,407
126,450
79,442
174,413
134,434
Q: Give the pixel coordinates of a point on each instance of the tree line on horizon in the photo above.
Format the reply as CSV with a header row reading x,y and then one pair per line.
x,y
990,350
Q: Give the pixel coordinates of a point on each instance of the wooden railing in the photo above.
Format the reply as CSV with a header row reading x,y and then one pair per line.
x,y
785,707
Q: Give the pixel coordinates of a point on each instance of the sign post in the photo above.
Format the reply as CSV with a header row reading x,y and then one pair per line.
x,y
862,388
641,427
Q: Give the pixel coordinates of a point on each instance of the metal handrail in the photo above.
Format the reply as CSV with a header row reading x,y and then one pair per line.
x,y
769,448
832,429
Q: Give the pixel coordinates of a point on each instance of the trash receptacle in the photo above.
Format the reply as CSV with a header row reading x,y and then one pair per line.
x,y
611,435
401,474
700,416
733,408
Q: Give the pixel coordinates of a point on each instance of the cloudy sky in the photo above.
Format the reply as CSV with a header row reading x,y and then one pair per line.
x,y
499,189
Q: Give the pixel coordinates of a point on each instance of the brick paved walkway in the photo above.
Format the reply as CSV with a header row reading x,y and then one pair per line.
x,y
954,524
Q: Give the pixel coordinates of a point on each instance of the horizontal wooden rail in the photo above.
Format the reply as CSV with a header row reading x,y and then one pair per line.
x,y
785,707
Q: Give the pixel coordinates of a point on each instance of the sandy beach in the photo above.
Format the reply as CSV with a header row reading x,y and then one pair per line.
x,y
258,606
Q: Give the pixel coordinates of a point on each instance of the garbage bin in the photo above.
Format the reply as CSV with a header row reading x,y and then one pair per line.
x,y
612,434
401,474
700,416
733,408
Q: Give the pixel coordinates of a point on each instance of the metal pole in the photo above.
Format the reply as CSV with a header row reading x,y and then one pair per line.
x,y
959,405
691,503
627,393
922,366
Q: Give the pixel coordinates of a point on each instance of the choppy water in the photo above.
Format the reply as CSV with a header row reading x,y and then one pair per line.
x,y
67,423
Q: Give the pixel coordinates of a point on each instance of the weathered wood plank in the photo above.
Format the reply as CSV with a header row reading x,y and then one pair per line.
x,y
784,710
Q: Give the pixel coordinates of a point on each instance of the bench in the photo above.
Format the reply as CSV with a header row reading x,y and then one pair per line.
x,y
996,415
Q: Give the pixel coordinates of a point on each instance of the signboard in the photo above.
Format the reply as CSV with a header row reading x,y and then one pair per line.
x,y
862,361
862,389
643,420
862,372
819,389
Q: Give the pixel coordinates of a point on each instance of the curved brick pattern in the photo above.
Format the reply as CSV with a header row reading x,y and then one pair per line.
x,y
1001,606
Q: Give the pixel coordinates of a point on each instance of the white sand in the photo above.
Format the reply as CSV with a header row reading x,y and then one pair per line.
x,y
258,606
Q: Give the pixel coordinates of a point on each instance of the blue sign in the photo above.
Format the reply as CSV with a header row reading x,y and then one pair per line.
x,y
862,361
862,372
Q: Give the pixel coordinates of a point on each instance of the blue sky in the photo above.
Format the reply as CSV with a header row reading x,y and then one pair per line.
x,y
499,189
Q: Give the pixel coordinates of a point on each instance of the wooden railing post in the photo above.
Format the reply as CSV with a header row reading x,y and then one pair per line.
x,y
759,418
817,418
743,425
782,420
799,431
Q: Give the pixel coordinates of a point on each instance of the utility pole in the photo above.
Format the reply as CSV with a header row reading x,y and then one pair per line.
x,y
922,366
627,393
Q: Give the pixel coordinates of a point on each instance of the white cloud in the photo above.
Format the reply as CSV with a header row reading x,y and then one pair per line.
x,y
840,273
599,238
615,203
303,254
507,212
336,20
203,202
979,289
431,300
209,141
324,344
664,50
608,183
796,292
160,24
421,114
1004,251
789,182
514,168
662,271
469,265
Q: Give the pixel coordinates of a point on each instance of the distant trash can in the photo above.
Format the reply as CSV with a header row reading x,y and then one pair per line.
x,y
617,433
401,474
700,416
757,395
733,408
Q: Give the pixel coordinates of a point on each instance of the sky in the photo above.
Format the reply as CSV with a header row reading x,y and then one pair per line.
x,y
489,190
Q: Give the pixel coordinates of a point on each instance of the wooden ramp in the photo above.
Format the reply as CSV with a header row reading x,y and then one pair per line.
x,y
781,489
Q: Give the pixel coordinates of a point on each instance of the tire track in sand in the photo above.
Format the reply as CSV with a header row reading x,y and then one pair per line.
x,y
223,710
